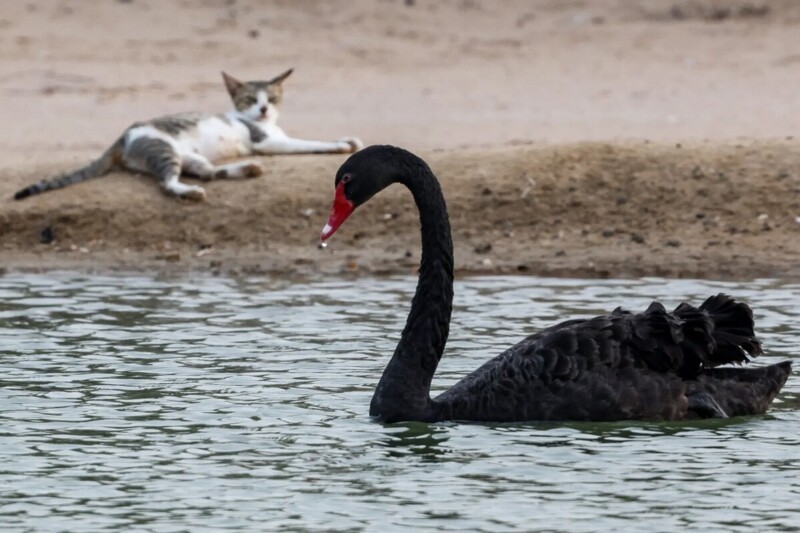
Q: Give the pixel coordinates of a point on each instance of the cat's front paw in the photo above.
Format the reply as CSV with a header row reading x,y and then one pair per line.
x,y
354,144
195,195
252,170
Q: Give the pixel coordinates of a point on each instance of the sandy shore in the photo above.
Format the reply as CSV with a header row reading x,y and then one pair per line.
x,y
604,138
595,210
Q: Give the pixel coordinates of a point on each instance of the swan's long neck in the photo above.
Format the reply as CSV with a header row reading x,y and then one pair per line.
x,y
403,392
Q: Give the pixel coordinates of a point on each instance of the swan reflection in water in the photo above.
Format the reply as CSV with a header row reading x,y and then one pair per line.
x,y
416,438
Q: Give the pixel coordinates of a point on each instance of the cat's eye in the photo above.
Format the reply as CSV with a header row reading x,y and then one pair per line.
x,y
272,99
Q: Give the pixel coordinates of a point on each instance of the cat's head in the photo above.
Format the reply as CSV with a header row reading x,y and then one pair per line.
x,y
257,100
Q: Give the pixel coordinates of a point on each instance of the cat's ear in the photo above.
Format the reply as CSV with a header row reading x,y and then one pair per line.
x,y
279,79
231,83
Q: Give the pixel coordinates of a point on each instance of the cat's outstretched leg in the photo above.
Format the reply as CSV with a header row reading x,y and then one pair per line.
x,y
239,170
202,168
355,143
286,145
198,166
157,157
172,185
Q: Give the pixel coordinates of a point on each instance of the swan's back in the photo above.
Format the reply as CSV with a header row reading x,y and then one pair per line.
x,y
650,365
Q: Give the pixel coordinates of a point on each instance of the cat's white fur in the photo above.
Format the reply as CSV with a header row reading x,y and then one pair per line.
x,y
214,139
196,141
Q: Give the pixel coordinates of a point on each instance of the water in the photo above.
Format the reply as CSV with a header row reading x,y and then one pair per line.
x,y
210,404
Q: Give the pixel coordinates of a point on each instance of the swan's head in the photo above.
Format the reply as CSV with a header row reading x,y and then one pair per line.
x,y
362,176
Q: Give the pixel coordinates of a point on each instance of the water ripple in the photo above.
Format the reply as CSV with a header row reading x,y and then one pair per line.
x,y
210,404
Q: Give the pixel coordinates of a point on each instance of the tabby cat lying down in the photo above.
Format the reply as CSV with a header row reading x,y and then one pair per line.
x,y
189,143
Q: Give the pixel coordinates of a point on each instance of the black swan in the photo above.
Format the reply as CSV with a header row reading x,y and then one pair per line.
x,y
654,365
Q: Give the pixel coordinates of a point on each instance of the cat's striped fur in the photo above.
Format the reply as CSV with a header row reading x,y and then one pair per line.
x,y
188,143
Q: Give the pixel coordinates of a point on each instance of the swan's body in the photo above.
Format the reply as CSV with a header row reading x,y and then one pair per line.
x,y
651,365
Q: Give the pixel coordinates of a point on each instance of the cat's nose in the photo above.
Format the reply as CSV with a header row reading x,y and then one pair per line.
x,y
263,110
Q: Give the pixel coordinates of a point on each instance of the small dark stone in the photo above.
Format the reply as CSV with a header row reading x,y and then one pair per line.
x,y
677,13
253,34
486,191
700,216
408,253
47,235
561,253
637,238
754,10
719,13
483,248
673,243
607,233
522,268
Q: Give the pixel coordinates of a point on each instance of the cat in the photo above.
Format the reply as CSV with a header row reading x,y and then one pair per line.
x,y
189,143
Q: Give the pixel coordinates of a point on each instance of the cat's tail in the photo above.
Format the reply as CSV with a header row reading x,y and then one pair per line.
x,y
110,159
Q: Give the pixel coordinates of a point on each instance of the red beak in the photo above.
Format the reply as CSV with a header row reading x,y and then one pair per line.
x,y
342,207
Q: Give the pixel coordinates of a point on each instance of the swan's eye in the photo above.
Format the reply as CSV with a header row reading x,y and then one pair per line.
x,y
346,178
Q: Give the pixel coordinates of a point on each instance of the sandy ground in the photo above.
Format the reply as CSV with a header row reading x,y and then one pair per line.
x,y
602,138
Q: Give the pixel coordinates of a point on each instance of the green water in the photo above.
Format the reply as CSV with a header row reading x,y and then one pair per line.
x,y
209,404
